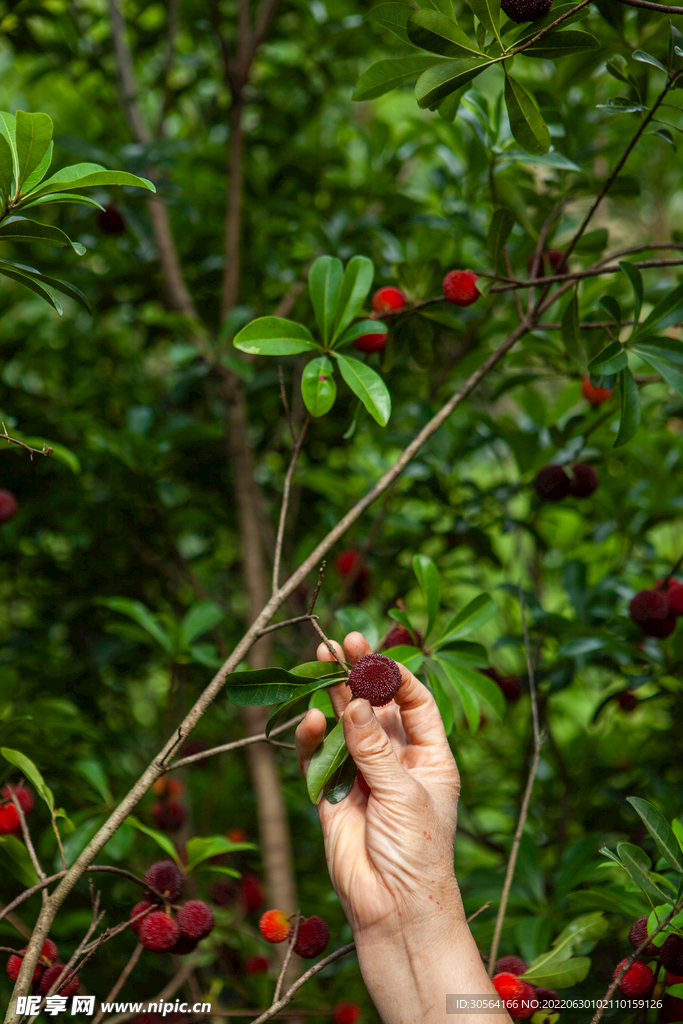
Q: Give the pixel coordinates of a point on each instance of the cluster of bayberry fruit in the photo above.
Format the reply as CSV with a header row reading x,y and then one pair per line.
x,y
152,919
46,972
312,936
656,610
168,813
553,482
9,506
9,816
639,979
521,999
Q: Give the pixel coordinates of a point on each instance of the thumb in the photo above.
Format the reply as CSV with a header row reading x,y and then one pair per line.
x,y
371,749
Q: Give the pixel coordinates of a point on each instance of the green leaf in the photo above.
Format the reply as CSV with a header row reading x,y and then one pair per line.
x,y
359,328
205,654
564,974
672,377
561,44
612,359
37,175
200,619
274,336
647,58
302,694
368,386
465,652
353,291
593,241
445,77
612,307
29,769
451,677
324,282
59,197
354,620
262,686
501,225
318,387
85,175
411,657
444,6
486,688
340,783
30,282
528,31
8,130
636,279
571,333
200,848
22,228
430,584
33,134
666,313
318,670
21,866
17,270
390,73
434,31
678,831
448,108
159,838
474,615
630,408
443,701
94,773
660,830
6,169
637,865
526,123
141,614
488,12
393,16
326,760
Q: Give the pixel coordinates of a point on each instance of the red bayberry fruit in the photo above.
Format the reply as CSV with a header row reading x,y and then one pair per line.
x,y
595,396
375,678
9,820
638,980
347,1013
347,561
552,483
362,782
237,835
312,937
627,701
53,974
548,998
159,932
507,985
222,893
674,592
388,300
460,287
524,1005
671,1011
400,636
168,787
166,878
23,795
511,964
251,892
345,565
371,342
671,954
8,506
255,965
638,932
14,966
673,979
554,257
183,946
168,815
525,10
510,685
111,221
50,951
138,909
274,925
195,919
650,610
585,480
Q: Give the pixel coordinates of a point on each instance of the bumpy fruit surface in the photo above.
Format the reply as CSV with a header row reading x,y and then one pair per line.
x,y
638,980
347,1013
9,820
111,221
507,985
275,925
523,1005
255,965
362,782
525,10
388,300
638,932
375,678
511,965
460,287
166,877
552,483
400,636
159,932
23,795
595,396
585,480
143,905
650,610
195,919
251,892
9,506
671,954
168,815
53,974
14,966
371,342
312,938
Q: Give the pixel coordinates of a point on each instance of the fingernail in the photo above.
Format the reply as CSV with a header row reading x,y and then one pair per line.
x,y
362,713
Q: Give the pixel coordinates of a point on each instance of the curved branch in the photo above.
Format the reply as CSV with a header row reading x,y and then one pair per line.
x,y
293,989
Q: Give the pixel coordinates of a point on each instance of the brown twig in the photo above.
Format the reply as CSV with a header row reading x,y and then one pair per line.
x,y
26,834
476,913
330,646
293,989
45,450
120,982
235,745
168,990
288,956
285,503
287,622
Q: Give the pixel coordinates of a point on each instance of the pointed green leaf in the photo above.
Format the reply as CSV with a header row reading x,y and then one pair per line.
x,y
389,74
318,670
291,707
612,359
434,31
488,12
6,169
672,377
486,688
393,16
274,336
33,134
21,865
445,77
630,408
359,328
353,291
474,615
411,657
443,6
443,701
22,228
258,687
561,44
94,773
324,282
564,974
660,830
430,584
647,58
501,226
612,307
368,386
141,614
326,760
86,175
57,197
669,350
200,619
451,677
37,175
318,387
638,866
31,283
200,848
29,769
636,279
571,333
166,844
465,652
340,783
526,122
7,130
666,313
448,108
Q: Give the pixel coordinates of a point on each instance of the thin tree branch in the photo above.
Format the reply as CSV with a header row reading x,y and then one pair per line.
x,y
287,622
235,745
285,504
330,646
476,913
45,450
26,834
288,956
168,990
120,982
293,989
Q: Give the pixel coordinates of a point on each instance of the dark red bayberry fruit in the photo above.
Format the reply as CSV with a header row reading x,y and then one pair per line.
x,y
375,678
510,685
371,342
671,1011
111,221
168,815
548,998
638,980
361,780
347,1013
671,954
159,932
237,835
554,258
14,966
255,965
312,937
552,483
9,820
638,932
138,909
650,610
628,701
400,636
195,919
53,974
511,964
585,480
50,951
8,506
166,878
23,795
388,300
460,287
674,592
183,946
345,565
594,396
251,892
525,10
